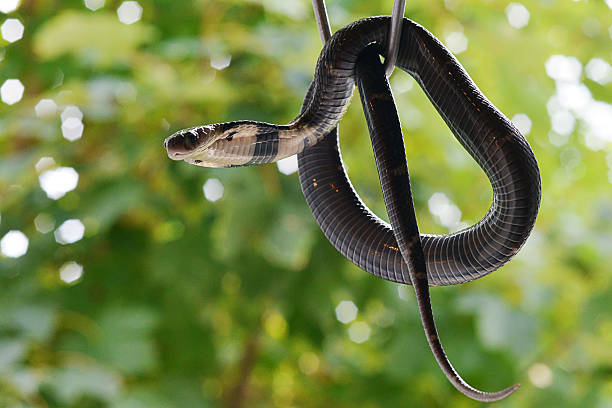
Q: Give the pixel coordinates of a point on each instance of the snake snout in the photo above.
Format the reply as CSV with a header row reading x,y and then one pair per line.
x,y
181,143
186,141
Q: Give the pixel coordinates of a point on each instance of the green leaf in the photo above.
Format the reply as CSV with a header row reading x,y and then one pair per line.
x,y
69,383
97,39
126,340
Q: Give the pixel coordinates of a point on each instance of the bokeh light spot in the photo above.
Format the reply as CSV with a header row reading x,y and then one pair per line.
x,y
70,272
71,111
8,6
275,324
359,332
599,71
402,83
12,30
72,129
573,95
288,165
457,42
403,293
14,244
129,12
563,68
213,189
45,108
563,122
44,163
591,27
557,139
11,91
522,123
309,363
70,232
94,5
346,311
540,375
221,61
44,223
517,14
447,213
597,117
57,182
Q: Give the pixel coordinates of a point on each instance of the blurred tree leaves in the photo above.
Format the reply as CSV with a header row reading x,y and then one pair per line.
x,y
99,39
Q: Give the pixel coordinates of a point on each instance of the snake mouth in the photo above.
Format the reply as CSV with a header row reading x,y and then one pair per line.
x,y
185,142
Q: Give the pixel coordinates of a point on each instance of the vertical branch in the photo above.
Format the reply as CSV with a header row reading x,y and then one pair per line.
x,y
235,395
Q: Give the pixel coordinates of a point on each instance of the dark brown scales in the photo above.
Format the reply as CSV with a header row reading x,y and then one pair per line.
x,y
500,150
388,145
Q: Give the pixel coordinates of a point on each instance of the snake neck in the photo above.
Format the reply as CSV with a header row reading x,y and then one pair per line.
x,y
275,142
245,143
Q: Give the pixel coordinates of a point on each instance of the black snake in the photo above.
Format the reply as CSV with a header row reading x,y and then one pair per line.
x,y
489,137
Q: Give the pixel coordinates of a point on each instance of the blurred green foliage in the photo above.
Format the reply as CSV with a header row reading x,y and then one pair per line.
x,y
189,303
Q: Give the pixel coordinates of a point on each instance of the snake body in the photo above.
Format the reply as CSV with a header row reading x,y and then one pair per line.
x,y
489,137
387,143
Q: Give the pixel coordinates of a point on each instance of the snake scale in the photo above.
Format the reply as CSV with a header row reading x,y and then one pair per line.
x,y
489,137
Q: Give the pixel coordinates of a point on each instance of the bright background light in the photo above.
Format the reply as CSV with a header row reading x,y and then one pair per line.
x,y
599,71
457,42
11,91
213,189
562,68
57,182
70,232
220,61
45,108
72,129
70,272
71,112
573,101
522,123
129,12
94,4
446,212
518,15
12,30
346,311
14,244
540,375
288,165
8,6
359,332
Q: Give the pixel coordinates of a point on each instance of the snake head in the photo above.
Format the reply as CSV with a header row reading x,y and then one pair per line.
x,y
227,144
188,142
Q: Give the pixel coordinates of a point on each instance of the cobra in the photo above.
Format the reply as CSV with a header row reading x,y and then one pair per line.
x,y
482,130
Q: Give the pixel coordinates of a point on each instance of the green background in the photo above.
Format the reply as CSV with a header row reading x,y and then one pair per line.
x,y
189,303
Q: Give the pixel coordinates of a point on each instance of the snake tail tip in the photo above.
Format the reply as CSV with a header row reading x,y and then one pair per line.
x,y
497,396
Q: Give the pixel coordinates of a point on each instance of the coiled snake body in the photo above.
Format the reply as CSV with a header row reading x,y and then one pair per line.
x,y
489,137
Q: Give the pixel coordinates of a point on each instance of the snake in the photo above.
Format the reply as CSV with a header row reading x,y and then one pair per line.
x,y
487,135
